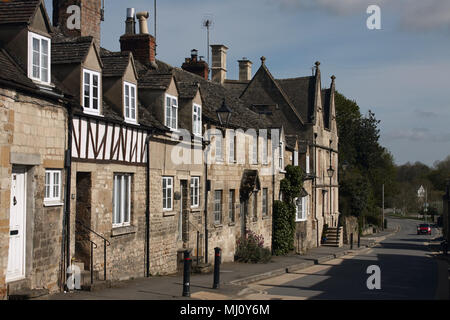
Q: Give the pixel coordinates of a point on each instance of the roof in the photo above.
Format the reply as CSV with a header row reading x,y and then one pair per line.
x,y
187,90
300,92
72,50
236,87
12,73
18,11
115,63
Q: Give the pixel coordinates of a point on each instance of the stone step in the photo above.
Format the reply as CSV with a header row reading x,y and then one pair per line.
x,y
86,277
97,285
202,268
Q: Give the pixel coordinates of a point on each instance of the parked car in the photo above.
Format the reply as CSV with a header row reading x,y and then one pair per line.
x,y
424,228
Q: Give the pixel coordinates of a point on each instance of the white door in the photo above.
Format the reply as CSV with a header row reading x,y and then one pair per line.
x,y
16,256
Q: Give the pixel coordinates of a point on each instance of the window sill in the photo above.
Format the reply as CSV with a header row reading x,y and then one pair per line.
x,y
232,224
195,209
91,113
300,220
266,217
120,231
54,203
218,225
168,213
130,121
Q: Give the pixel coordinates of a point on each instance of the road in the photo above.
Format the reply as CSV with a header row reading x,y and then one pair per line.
x,y
408,271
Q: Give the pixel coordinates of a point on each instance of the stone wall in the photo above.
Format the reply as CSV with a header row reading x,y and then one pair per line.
x,y
32,135
350,225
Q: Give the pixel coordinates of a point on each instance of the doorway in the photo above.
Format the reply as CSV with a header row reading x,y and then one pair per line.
x,y
83,218
17,223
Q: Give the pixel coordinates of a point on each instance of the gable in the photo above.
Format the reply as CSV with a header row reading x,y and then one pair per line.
x,y
40,21
92,61
172,88
130,75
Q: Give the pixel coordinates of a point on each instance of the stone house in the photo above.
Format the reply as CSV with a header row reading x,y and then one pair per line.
x,y
33,144
134,164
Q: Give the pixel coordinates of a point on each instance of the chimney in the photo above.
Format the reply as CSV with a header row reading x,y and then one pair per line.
x,y
91,15
142,45
245,69
130,23
196,65
219,63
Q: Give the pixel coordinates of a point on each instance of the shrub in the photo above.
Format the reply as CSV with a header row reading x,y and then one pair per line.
x,y
283,228
251,249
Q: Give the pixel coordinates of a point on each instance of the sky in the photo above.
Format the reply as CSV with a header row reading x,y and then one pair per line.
x,y
400,72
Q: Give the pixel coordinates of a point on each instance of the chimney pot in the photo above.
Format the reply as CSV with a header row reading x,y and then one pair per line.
x,y
130,23
143,26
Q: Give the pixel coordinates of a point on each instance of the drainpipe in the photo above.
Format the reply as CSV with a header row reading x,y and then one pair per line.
x,y
206,203
315,191
147,206
66,217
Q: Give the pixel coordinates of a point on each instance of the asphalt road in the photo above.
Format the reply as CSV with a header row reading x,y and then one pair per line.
x,y
407,269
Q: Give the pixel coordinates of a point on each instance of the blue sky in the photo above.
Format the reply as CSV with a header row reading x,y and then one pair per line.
x,y
400,72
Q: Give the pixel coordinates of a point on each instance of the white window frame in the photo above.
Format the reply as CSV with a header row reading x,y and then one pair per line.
x,y
218,207
197,124
218,146
90,109
301,216
31,36
50,199
173,107
295,158
130,119
124,204
195,192
265,151
281,155
307,168
232,141
169,188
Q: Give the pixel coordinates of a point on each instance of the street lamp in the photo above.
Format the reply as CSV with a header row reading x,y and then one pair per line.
x,y
224,114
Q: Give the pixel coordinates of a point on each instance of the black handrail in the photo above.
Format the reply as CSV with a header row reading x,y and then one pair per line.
x,y
93,246
105,244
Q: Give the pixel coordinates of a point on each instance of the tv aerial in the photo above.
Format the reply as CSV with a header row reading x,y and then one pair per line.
x,y
208,24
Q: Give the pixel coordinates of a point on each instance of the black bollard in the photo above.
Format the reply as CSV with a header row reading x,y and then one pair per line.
x,y
187,274
351,241
217,261
359,240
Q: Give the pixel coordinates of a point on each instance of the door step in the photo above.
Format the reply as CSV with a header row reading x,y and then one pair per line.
x,y
97,285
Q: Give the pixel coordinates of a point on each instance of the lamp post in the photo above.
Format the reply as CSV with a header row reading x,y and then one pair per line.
x,y
330,173
224,114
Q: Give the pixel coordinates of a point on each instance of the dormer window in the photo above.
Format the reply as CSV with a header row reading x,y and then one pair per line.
x,y
130,102
39,58
91,92
171,112
197,120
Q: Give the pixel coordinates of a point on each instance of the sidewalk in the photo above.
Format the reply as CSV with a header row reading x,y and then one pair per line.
x,y
233,277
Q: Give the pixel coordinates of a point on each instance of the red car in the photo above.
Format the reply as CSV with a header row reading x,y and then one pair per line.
x,y
423,229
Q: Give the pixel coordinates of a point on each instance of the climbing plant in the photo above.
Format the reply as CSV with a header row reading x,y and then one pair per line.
x,y
284,211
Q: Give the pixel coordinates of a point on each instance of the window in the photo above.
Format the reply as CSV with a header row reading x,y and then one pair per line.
x,y
52,187
91,91
231,201
307,164
232,140
39,58
218,144
195,192
167,187
265,150
122,200
281,156
300,208
197,120
130,102
218,206
265,202
255,205
171,113
295,158
255,150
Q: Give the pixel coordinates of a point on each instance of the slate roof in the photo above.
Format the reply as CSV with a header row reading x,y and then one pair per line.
x,y
11,73
17,11
300,92
187,90
70,50
236,87
115,63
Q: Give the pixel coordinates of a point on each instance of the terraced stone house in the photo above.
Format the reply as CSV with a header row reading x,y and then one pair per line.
x,y
114,163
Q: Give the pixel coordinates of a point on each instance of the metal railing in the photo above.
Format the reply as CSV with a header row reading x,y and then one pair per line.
x,y
106,243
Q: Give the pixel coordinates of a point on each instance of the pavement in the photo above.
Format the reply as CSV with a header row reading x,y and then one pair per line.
x,y
234,277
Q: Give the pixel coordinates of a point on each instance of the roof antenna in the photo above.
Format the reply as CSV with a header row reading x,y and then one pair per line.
x,y
156,42
208,23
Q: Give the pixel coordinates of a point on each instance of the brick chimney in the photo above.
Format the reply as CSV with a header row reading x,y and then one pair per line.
x,y
142,45
91,15
219,63
196,65
245,69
